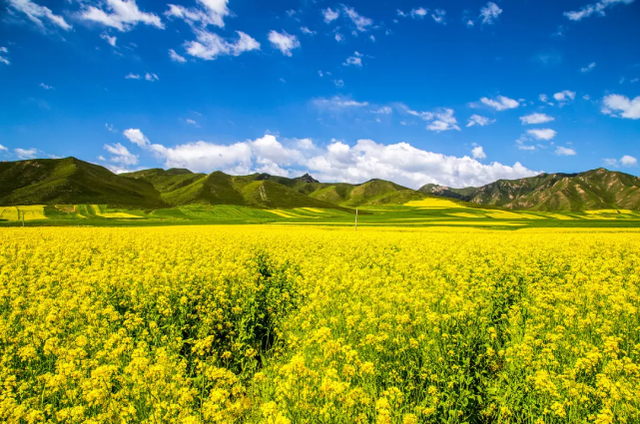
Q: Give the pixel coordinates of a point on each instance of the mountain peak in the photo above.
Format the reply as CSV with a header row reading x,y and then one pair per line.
x,y
306,178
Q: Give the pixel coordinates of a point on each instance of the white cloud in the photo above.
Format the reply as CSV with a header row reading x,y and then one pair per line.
x,y
595,8
565,151
209,45
330,15
3,149
442,120
502,103
307,31
543,134
480,121
136,137
132,76
522,146
110,128
338,83
26,153
284,42
45,86
339,37
337,103
121,154
2,59
176,57
536,118
406,165
438,15
626,160
564,96
36,13
490,13
208,12
588,68
110,40
191,121
621,106
478,153
151,77
355,60
419,13
338,161
122,15
385,110
362,23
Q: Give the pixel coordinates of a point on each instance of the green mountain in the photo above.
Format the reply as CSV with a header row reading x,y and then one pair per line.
x,y
180,187
72,181
597,189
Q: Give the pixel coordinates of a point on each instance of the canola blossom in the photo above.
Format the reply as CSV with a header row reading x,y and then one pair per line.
x,y
286,324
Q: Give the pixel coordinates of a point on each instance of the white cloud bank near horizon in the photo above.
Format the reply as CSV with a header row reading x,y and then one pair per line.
x,y
338,161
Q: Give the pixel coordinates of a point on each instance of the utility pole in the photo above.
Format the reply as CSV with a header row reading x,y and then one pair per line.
x,y
356,227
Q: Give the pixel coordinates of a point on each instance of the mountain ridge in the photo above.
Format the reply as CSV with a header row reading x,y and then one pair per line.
x,y
590,190
73,181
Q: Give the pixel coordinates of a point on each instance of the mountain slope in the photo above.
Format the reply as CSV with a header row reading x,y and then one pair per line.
x,y
71,181
597,189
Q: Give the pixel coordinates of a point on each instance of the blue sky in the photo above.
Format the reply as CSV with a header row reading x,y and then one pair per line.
x,y
450,92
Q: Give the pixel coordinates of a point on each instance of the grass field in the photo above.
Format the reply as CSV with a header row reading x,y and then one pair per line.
x,y
429,212
319,324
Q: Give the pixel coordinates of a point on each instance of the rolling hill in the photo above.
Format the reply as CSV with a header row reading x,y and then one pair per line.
x,y
72,181
596,189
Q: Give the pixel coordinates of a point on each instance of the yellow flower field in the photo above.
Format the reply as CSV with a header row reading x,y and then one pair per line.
x,y
291,324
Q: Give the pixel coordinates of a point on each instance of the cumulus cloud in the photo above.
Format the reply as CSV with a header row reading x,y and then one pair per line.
x,y
441,120
176,57
136,137
621,106
596,8
122,15
3,149
121,155
355,60
565,151
480,121
26,153
151,77
626,161
536,118
490,13
284,42
588,68
501,103
330,15
208,12
419,13
478,153
543,134
209,45
37,13
338,161
563,97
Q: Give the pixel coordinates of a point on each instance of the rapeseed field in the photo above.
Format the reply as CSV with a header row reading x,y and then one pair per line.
x,y
285,324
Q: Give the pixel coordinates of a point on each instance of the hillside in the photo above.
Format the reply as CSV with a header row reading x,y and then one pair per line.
x,y
596,189
72,181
